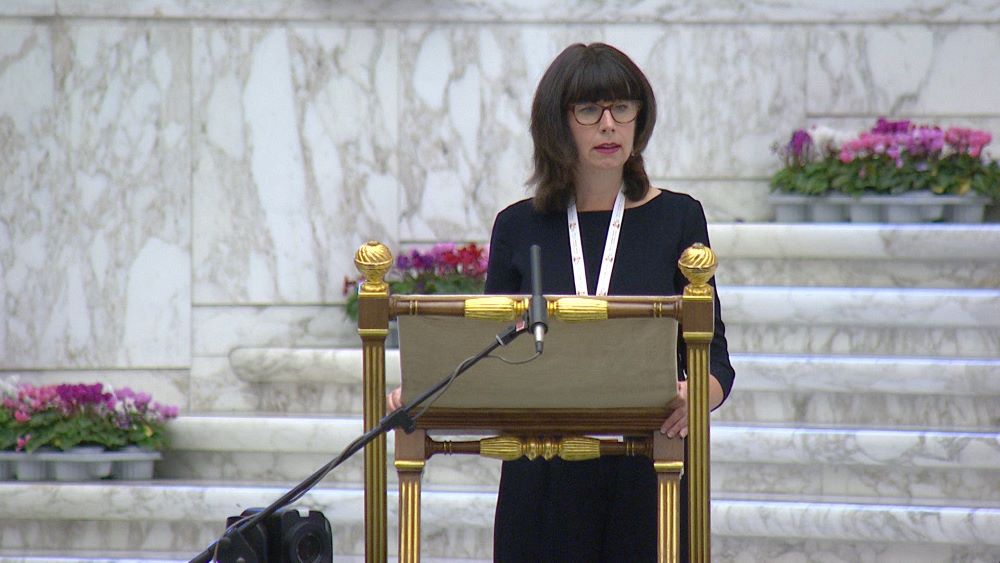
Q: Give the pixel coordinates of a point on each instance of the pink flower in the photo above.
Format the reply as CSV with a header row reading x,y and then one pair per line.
x,y
21,416
23,441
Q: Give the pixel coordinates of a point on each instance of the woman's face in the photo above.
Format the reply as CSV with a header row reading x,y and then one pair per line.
x,y
607,143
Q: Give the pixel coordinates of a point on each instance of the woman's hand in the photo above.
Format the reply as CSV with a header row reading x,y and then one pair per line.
x,y
677,422
394,399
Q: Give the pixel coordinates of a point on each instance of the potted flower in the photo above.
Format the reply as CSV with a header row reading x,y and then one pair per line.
x,y
143,425
8,434
893,158
141,420
83,420
446,268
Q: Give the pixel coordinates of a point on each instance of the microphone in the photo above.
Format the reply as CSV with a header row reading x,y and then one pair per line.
x,y
538,312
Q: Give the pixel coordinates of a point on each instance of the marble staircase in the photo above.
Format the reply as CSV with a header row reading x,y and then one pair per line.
x,y
864,425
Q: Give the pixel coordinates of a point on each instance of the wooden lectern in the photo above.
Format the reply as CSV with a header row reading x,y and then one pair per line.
x,y
542,424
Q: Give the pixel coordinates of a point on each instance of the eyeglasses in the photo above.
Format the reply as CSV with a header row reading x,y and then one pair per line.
x,y
622,111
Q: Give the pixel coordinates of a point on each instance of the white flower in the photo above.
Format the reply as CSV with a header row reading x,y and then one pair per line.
x,y
829,140
8,386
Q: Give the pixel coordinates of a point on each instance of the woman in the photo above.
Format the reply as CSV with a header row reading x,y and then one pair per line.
x,y
592,116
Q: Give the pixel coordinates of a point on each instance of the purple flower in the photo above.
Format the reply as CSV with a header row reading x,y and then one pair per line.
x,y
885,127
800,144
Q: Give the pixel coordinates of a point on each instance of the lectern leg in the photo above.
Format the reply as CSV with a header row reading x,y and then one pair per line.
x,y
668,493
409,467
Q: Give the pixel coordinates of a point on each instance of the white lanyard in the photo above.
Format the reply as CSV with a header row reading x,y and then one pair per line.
x,y
610,247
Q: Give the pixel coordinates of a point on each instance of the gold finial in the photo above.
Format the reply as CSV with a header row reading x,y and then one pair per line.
x,y
698,265
373,260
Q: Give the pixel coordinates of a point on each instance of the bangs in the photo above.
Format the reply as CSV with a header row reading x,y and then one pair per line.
x,y
601,78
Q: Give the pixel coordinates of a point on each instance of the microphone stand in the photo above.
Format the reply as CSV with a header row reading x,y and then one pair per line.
x,y
399,418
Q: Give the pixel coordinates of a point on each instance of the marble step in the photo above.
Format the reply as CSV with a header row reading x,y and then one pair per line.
x,y
858,391
180,517
922,466
870,321
845,255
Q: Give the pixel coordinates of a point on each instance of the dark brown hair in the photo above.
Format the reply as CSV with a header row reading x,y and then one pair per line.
x,y
584,73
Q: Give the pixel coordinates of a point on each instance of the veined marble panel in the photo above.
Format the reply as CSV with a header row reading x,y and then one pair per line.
x,y
900,484
722,93
862,341
860,409
659,11
179,504
28,8
466,93
861,375
862,307
177,542
899,273
296,133
215,387
465,96
917,70
752,550
725,201
217,331
834,521
881,448
94,195
302,365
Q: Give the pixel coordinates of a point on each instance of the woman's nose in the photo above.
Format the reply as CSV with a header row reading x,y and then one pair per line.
x,y
607,121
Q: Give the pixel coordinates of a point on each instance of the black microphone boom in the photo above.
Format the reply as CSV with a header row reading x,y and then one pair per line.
x,y
538,311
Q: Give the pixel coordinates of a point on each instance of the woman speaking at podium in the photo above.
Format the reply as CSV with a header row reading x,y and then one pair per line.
x,y
603,230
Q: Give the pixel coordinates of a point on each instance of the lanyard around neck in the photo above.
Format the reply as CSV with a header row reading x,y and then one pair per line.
x,y
610,247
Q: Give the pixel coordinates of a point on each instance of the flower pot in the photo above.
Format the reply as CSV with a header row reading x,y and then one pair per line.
x,y
137,465
826,212
789,213
31,467
6,470
902,214
81,463
862,212
971,213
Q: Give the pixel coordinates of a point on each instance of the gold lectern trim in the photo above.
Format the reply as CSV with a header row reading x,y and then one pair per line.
x,y
373,260
373,332
698,264
409,465
578,309
510,448
696,336
668,466
495,308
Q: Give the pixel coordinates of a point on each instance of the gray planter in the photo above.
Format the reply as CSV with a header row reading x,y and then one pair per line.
x,y
134,464
81,463
827,210
865,213
32,467
78,464
910,207
790,212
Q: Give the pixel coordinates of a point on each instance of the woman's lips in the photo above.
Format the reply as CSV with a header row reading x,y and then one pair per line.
x,y
607,148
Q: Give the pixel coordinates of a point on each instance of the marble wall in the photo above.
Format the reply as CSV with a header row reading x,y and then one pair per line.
x,y
181,177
